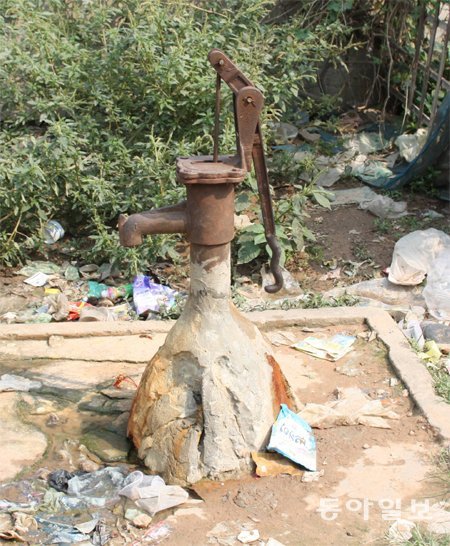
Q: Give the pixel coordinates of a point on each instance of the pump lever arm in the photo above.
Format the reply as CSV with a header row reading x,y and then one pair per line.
x,y
239,84
262,178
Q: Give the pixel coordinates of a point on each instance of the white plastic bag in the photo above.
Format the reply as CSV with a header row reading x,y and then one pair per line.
x,y
150,493
385,207
437,290
414,256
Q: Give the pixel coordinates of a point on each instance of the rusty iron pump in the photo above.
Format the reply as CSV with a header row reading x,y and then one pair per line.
x,y
207,215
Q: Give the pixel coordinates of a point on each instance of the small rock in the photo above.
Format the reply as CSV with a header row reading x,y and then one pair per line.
x,y
52,420
412,433
381,393
393,381
405,393
273,542
247,537
312,476
137,517
142,521
440,333
409,414
366,446
44,407
55,341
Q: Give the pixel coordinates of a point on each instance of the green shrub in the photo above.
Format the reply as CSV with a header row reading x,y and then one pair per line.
x,y
99,97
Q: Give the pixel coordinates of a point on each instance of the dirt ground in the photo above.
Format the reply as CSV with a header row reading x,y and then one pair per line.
x,y
370,475
358,242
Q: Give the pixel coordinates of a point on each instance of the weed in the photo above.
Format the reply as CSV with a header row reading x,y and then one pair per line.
x,y
441,379
361,252
425,184
382,225
441,476
315,252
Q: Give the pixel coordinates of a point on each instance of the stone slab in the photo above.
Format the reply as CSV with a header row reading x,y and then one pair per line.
x,y
405,362
22,444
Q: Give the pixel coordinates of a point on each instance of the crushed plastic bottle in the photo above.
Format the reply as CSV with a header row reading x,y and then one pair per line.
x,y
52,232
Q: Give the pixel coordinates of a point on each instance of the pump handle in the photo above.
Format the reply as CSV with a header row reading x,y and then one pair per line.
x,y
237,81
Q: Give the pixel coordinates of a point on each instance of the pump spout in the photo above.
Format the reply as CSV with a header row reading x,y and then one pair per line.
x,y
170,219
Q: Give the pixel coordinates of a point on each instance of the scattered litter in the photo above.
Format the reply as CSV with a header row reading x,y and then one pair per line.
x,y
59,480
151,493
292,437
326,348
359,195
87,527
225,532
71,273
57,306
97,488
52,232
366,142
247,537
415,253
400,531
432,214
11,535
284,132
353,407
38,279
410,326
385,207
370,171
273,464
75,308
309,477
411,145
155,534
31,268
149,296
113,293
9,382
60,533
242,221
95,314
308,135
393,381
431,352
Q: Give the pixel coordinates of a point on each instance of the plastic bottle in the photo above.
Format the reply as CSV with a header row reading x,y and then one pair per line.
x,y
52,232
114,293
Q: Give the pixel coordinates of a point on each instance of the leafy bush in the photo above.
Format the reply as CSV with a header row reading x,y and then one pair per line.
x,y
99,98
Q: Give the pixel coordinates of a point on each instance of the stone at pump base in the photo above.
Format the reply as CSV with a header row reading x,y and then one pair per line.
x,y
209,396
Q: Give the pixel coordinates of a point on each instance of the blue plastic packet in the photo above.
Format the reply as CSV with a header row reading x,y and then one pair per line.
x,y
292,437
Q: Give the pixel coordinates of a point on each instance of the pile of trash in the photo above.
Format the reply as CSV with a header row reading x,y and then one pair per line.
x,y
73,293
378,154
83,507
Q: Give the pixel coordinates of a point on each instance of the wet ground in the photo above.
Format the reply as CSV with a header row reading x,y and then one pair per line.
x,y
370,475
